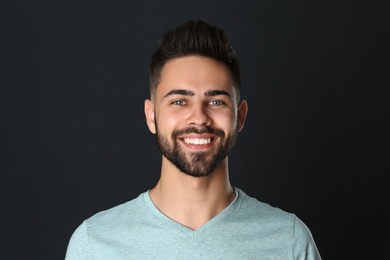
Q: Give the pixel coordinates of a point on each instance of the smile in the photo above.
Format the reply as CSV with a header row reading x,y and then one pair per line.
x,y
197,140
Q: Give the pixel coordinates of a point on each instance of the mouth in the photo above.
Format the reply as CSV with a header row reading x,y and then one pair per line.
x,y
198,141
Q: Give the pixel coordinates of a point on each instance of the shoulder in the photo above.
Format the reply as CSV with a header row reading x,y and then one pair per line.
x,y
124,213
105,225
113,220
261,216
267,221
252,207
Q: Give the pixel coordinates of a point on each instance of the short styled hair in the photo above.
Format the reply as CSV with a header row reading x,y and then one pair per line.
x,y
194,38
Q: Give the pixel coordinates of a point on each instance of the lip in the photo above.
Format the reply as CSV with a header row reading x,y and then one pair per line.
x,y
197,141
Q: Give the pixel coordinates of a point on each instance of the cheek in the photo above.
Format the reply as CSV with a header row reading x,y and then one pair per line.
x,y
227,122
166,122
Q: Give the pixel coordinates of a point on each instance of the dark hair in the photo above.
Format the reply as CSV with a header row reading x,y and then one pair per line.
x,y
194,38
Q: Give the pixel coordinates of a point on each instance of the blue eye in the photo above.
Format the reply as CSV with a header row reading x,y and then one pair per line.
x,y
179,102
216,102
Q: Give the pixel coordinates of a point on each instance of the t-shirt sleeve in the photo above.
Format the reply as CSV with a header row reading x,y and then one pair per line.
x,y
304,247
77,247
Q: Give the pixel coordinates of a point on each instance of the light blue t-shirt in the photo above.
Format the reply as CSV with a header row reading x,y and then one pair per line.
x,y
246,229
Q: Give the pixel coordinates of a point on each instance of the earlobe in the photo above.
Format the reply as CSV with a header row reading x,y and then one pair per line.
x,y
149,115
241,114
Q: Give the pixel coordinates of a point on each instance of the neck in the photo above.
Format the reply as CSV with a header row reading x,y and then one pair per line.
x,y
192,201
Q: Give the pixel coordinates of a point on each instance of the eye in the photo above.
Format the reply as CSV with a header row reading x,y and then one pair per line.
x,y
216,102
179,102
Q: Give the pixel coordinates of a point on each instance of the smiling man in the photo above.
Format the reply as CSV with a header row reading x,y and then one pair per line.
x,y
196,112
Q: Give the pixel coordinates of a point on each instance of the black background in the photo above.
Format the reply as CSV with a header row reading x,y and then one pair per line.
x,y
74,76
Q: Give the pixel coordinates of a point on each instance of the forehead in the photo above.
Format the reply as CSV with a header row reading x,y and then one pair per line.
x,y
195,73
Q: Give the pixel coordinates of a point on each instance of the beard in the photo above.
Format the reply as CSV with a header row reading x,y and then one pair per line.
x,y
195,164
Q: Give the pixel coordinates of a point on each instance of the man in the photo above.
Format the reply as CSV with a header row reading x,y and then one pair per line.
x,y
193,212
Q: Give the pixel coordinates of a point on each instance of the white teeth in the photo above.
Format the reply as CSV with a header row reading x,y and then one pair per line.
x,y
197,141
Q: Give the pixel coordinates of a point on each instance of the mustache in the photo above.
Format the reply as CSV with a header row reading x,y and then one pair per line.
x,y
195,130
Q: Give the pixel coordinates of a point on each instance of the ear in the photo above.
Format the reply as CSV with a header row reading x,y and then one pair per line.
x,y
241,114
149,114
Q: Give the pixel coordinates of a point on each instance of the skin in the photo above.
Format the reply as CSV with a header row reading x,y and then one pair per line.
x,y
194,93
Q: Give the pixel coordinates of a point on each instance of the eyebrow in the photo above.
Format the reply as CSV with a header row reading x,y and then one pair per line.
x,y
182,92
185,92
211,93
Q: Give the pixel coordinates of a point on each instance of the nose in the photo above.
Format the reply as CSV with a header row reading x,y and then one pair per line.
x,y
198,116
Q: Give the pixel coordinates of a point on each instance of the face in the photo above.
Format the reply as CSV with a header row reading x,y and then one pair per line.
x,y
195,114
